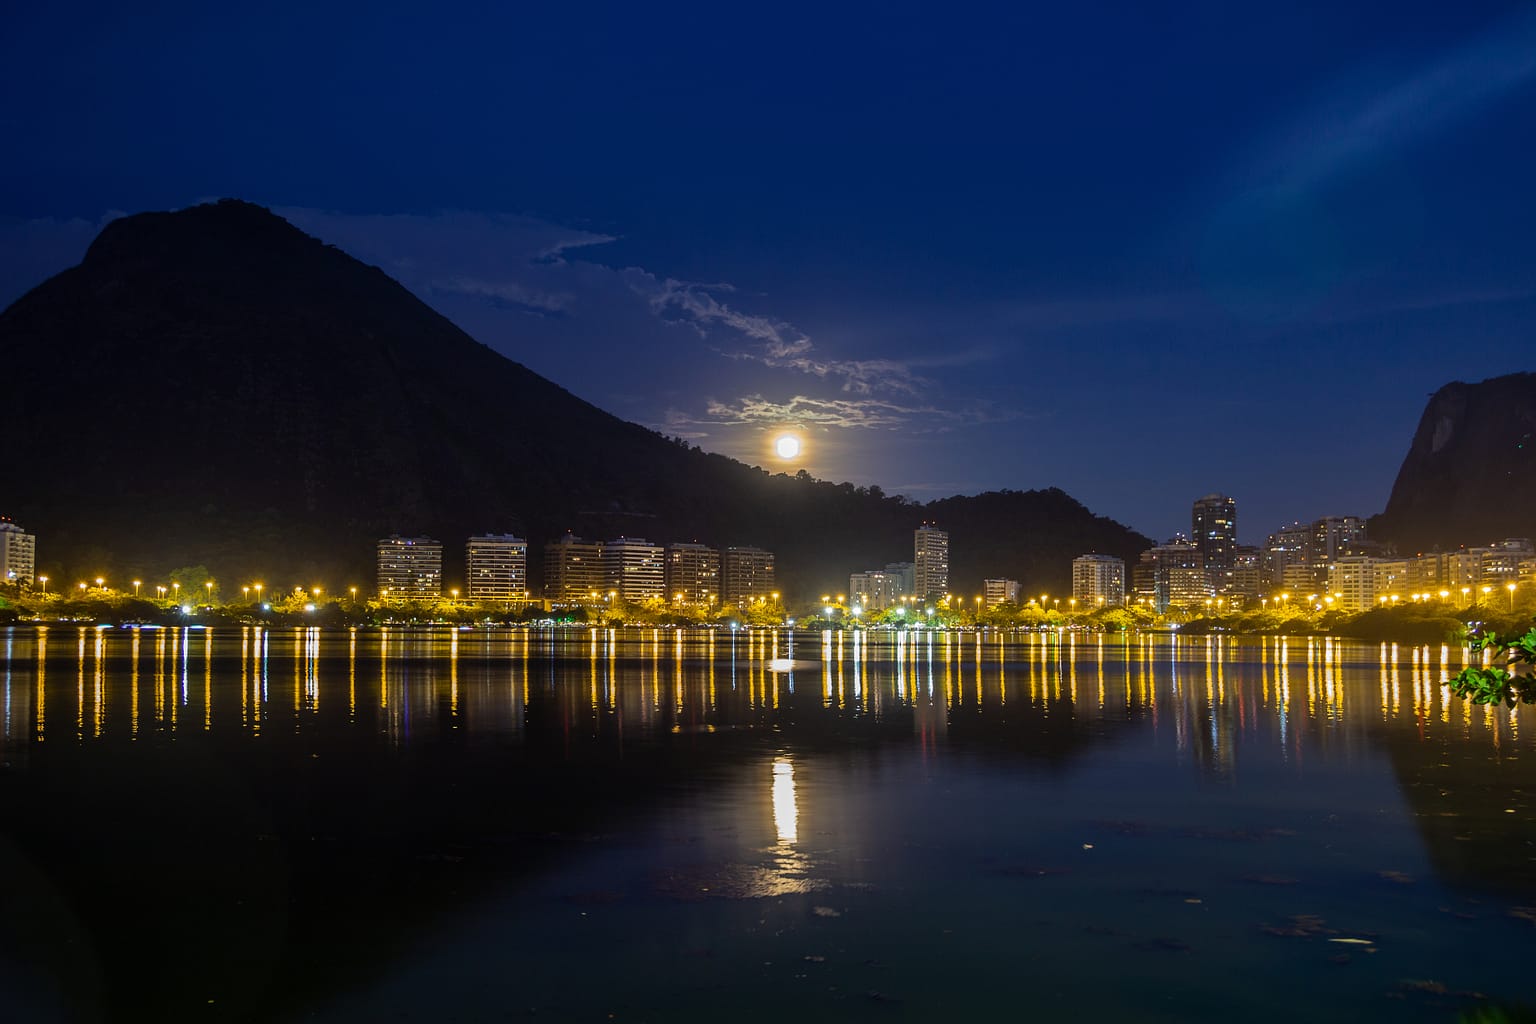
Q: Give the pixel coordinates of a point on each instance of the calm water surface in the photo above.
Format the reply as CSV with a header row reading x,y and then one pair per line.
x,y
660,825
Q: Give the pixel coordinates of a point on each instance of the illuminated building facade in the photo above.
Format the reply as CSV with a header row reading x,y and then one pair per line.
x,y
930,561
1002,591
497,568
634,569
874,589
573,570
1213,526
1333,536
1098,581
746,573
1173,575
693,574
410,568
18,554
1287,559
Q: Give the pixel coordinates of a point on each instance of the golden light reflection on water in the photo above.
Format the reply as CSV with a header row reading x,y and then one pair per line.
x,y
1209,697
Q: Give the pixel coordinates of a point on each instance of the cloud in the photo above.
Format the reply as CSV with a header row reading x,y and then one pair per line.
x,y
509,292
849,413
776,342
453,242
1335,136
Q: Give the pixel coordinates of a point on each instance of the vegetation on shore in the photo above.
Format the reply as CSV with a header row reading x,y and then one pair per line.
x,y
1507,679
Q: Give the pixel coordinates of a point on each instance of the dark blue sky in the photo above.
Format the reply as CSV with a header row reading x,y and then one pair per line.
x,y
1140,254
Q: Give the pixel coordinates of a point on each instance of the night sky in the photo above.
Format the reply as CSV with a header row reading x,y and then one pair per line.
x,y
1138,252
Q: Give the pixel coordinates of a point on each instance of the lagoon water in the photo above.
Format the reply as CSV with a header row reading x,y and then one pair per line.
x,y
757,826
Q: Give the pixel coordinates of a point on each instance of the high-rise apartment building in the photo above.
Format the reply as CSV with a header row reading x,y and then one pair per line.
x,y
410,568
18,554
1241,583
874,589
497,568
906,575
693,574
1172,575
1333,536
1098,581
1213,527
1287,550
930,561
998,591
634,569
1501,562
746,573
573,570
1358,582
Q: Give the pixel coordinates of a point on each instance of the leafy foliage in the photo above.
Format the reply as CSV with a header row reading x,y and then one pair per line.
x,y
1511,683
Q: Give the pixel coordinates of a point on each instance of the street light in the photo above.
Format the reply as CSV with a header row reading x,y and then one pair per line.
x,y
1508,586
209,586
101,583
257,587
136,587
44,581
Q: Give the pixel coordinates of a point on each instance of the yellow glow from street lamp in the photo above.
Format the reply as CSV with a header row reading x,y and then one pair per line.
x,y
787,446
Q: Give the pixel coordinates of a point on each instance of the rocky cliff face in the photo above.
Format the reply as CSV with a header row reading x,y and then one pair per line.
x,y
1470,474
215,387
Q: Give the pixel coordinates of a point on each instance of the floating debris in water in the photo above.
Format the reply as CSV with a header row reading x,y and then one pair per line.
x,y
826,912
1400,877
1271,879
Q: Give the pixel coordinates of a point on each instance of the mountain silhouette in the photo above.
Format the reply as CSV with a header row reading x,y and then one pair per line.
x,y
213,386
1470,474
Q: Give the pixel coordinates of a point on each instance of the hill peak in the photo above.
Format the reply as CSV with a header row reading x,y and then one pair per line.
x,y
217,231
214,386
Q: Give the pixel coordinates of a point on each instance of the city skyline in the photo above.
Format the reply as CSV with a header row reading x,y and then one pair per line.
x,y
919,314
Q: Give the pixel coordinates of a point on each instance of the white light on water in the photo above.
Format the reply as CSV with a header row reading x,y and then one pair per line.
x,y
785,815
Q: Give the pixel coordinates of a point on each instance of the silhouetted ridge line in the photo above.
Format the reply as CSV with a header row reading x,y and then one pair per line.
x,y
213,386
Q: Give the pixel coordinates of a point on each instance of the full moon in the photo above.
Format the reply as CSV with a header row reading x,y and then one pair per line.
x,y
787,446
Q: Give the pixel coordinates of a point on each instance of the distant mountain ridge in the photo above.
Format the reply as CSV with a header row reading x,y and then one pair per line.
x,y
1469,477
213,386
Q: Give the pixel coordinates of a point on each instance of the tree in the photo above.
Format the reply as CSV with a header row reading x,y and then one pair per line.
x,y
1511,683
194,589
